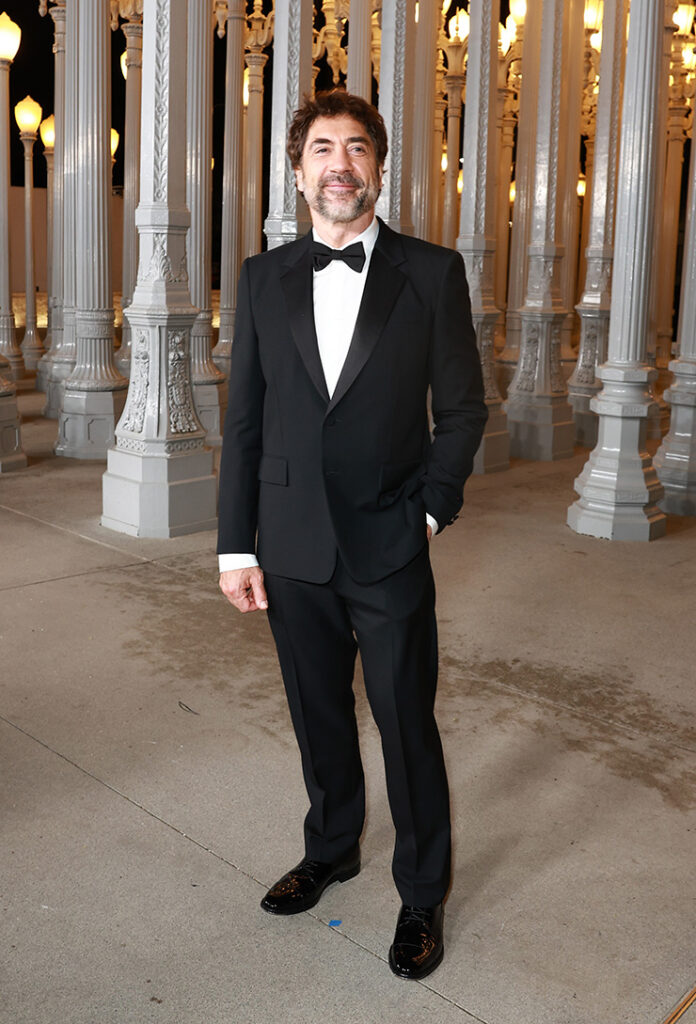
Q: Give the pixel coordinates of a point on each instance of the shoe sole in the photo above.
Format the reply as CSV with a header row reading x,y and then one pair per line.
x,y
422,974
343,876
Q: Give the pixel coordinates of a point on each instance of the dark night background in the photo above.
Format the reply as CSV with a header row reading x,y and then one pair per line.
x,y
32,73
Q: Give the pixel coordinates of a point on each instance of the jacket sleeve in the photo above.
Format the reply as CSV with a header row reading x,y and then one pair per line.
x,y
458,407
242,434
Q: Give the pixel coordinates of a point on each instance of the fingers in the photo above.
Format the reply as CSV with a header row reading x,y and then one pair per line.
x,y
429,531
244,589
259,591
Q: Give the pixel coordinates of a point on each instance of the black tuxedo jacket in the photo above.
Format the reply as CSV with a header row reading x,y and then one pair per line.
x,y
303,475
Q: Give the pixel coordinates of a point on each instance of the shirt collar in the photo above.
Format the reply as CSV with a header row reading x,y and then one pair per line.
x,y
368,238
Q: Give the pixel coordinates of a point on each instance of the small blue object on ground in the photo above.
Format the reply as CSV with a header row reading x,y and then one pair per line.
x,y
335,923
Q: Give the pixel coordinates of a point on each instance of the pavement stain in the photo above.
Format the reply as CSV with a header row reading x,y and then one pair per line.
x,y
591,713
240,664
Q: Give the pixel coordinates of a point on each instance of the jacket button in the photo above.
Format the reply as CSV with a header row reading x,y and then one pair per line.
x,y
331,421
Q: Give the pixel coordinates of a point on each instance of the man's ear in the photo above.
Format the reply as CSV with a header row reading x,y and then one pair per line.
x,y
299,180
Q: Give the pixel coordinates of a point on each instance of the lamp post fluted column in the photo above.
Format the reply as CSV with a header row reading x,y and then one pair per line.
x,y
49,157
32,347
292,77
252,213
675,460
8,339
133,31
569,203
539,416
678,121
528,36
423,111
55,200
61,358
232,178
395,106
208,383
159,480
618,488
95,390
476,241
508,98
595,303
359,57
454,85
258,37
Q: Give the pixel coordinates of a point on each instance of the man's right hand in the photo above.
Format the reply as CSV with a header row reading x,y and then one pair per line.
x,y
244,588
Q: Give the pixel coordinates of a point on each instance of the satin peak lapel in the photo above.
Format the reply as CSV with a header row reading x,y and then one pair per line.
x,y
296,282
382,288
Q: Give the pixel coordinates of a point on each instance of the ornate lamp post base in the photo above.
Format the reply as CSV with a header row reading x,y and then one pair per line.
x,y
539,416
32,349
58,372
494,451
9,348
11,455
159,478
87,422
584,385
208,383
159,496
619,489
675,460
210,401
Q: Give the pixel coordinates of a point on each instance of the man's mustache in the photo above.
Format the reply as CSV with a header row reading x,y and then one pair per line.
x,y
342,179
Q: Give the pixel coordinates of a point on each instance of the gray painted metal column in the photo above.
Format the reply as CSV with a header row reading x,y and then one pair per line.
x,y
8,339
230,248
594,306
395,106
133,31
209,386
159,480
95,390
476,241
618,488
359,57
539,416
288,217
675,460
62,355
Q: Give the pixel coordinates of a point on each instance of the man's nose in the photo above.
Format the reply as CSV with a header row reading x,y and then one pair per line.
x,y
341,159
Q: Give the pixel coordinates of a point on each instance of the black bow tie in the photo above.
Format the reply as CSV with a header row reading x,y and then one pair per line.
x,y
352,255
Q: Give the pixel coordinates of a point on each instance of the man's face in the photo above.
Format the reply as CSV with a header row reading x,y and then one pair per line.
x,y
338,173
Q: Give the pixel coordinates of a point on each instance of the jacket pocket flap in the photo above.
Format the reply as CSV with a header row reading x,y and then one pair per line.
x,y
273,470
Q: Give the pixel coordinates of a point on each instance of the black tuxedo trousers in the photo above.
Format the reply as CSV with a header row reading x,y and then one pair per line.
x,y
318,629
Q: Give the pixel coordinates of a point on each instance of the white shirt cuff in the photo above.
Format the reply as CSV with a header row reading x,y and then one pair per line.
x,y
432,523
226,563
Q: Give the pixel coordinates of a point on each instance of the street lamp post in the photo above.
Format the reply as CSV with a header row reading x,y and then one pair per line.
x,y
28,116
47,131
10,36
455,48
258,37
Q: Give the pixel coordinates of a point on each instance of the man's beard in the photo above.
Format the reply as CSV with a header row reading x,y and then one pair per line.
x,y
343,211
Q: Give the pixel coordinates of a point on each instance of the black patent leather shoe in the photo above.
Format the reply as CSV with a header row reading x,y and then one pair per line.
x,y
302,887
418,947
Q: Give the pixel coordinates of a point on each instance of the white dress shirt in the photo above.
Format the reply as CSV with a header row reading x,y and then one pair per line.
x,y
337,294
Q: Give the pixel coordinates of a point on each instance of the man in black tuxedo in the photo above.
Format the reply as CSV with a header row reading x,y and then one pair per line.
x,y
331,486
